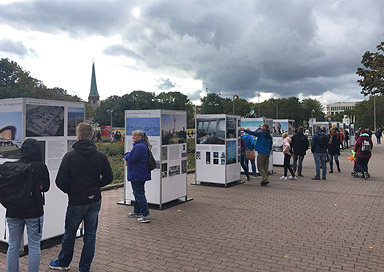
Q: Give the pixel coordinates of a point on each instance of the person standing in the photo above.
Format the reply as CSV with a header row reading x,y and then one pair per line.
x,y
378,136
263,148
319,149
32,216
250,145
341,136
363,149
83,171
334,149
138,174
300,146
242,159
287,157
346,138
98,136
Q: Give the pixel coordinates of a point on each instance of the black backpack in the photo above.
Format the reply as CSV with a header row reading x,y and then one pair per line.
x,y
151,162
16,185
322,141
365,147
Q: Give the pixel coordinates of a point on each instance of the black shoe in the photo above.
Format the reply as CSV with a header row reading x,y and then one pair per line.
x,y
248,178
264,183
300,175
331,171
339,170
316,178
324,178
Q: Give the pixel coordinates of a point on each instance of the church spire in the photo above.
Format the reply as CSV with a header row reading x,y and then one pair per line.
x,y
93,97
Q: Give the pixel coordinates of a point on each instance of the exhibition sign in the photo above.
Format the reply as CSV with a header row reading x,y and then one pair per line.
x,y
167,134
217,149
53,123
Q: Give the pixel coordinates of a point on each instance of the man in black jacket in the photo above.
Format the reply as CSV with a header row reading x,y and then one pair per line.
x,y
299,145
83,171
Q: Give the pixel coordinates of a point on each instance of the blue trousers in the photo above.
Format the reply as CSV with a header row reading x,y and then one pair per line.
x,y
141,205
75,215
16,231
320,159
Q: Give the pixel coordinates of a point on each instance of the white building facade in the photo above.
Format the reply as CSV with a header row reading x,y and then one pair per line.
x,y
339,107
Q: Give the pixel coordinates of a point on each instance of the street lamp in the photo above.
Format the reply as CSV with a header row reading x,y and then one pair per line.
x,y
234,97
258,103
110,111
374,112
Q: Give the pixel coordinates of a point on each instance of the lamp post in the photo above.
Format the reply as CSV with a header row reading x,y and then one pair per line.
x,y
234,97
258,104
110,111
374,112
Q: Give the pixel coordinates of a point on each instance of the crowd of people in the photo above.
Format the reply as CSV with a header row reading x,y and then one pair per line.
x,y
325,148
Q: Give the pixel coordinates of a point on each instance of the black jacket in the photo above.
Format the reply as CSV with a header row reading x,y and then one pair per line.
x,y
300,144
31,154
334,145
83,171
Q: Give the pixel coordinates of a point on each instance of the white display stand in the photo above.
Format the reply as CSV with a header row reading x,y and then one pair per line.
x,y
317,125
255,124
279,127
352,137
53,123
166,131
217,149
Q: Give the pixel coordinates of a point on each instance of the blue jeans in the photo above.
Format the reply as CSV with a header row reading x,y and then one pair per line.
x,y
242,163
141,205
75,215
16,231
320,158
299,165
253,163
336,156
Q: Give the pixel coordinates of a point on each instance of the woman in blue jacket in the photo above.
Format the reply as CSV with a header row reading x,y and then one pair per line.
x,y
138,174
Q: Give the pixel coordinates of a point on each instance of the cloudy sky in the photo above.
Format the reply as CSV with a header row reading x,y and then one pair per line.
x,y
275,48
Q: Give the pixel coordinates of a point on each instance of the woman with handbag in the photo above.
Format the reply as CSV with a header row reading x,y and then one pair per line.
x,y
250,153
287,157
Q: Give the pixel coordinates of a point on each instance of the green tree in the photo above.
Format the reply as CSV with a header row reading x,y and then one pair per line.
x,y
364,112
212,104
242,106
372,71
311,106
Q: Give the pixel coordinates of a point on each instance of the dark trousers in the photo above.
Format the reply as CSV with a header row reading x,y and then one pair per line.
x,y
243,162
362,164
298,163
287,165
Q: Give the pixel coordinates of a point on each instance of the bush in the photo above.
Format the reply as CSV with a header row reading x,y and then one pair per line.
x,y
112,149
117,165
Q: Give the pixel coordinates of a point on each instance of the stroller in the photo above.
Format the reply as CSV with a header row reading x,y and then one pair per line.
x,y
355,171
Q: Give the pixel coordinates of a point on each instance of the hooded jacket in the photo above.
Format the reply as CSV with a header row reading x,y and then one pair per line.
x,y
249,142
137,162
31,154
263,142
300,144
83,171
315,147
359,143
334,144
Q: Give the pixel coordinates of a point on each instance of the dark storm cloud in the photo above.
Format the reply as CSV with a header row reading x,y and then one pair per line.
x,y
15,47
286,47
165,84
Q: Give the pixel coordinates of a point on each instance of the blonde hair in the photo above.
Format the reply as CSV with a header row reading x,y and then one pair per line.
x,y
285,135
143,135
84,131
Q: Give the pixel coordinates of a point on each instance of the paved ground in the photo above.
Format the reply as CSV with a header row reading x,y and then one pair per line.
x,y
302,225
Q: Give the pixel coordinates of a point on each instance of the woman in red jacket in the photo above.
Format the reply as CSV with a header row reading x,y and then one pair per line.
x,y
363,149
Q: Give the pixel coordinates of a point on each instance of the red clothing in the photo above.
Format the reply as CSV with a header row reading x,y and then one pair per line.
x,y
358,147
341,136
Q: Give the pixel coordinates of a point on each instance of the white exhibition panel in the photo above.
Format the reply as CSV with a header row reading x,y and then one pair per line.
x,y
53,124
217,148
255,124
165,130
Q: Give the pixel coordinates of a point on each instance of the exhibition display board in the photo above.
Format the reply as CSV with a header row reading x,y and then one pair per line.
x,y
279,127
166,131
318,125
53,123
217,149
255,124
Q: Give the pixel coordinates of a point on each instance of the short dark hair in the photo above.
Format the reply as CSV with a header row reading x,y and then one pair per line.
x,y
300,129
84,130
265,125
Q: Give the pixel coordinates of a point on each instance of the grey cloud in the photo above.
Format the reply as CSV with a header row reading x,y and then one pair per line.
x,y
165,84
15,47
119,50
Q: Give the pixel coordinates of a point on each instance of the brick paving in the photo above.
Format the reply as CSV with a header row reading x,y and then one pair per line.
x,y
302,225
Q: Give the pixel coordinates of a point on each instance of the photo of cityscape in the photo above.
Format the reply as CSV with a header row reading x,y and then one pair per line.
x,y
44,120
231,152
149,125
173,128
75,116
10,134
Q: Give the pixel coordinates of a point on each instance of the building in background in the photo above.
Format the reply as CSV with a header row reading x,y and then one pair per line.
x,y
339,107
94,98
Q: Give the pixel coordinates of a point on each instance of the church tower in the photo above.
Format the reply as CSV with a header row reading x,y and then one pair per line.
x,y
93,97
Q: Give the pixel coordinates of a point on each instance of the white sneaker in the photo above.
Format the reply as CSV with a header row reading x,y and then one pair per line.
x,y
290,177
283,178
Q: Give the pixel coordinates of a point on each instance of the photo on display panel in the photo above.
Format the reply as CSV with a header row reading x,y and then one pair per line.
x,y
215,161
148,125
279,128
11,124
222,161
231,127
231,152
215,154
210,131
174,170
75,116
198,155
174,129
44,120
164,153
184,166
208,157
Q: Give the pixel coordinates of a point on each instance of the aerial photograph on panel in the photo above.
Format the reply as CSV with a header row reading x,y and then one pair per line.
x,y
44,121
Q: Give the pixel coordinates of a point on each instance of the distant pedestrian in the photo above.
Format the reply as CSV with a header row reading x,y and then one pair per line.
x,y
250,146
83,171
138,174
319,149
300,146
334,149
242,159
287,157
341,134
363,149
98,136
346,138
263,148
378,135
